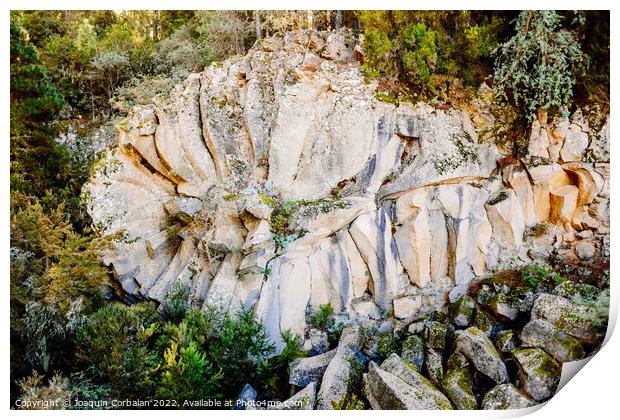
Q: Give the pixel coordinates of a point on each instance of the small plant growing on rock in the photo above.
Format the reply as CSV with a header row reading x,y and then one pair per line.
x,y
322,318
498,198
538,230
175,303
292,348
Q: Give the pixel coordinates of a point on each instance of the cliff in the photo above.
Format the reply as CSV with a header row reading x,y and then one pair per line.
x,y
278,181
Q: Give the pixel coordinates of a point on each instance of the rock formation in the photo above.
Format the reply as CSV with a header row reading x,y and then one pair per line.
x,y
278,181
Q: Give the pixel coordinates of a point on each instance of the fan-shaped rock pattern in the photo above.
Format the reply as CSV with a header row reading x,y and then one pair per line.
x,y
277,181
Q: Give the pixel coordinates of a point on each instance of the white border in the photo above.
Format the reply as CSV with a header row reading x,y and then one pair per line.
x,y
592,394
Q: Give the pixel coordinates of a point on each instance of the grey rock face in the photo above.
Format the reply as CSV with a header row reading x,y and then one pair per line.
x,y
506,397
462,311
309,369
479,350
538,372
540,333
566,316
398,204
458,386
395,386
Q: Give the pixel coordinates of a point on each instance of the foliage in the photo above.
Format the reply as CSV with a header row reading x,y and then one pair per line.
x,y
535,275
423,52
34,394
115,346
323,317
387,344
292,348
175,304
536,68
353,403
597,313
187,374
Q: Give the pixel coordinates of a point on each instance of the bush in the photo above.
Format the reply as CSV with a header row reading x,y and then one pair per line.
x,y
322,318
535,69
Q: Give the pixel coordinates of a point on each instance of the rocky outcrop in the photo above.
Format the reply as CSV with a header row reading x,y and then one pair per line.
x,y
395,386
278,182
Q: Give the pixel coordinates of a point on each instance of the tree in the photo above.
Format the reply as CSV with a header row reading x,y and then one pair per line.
x,y
535,69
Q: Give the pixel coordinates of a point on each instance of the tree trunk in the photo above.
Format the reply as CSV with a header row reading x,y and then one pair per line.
x,y
257,24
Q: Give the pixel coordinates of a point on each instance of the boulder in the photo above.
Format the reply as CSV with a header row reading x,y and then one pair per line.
x,y
486,323
506,397
563,202
413,351
585,250
462,311
395,386
407,306
538,372
540,333
434,366
479,350
566,316
309,369
458,386
435,334
303,400
246,399
506,341
343,370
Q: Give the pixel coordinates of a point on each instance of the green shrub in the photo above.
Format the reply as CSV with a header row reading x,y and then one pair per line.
x,y
292,348
175,304
535,69
323,317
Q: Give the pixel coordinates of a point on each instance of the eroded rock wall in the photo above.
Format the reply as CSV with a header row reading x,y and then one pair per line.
x,y
385,207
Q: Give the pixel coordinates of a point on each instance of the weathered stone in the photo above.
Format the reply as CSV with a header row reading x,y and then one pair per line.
x,y
309,369
479,350
506,397
540,333
462,311
413,351
585,250
395,386
413,240
504,307
506,216
458,386
519,181
563,203
486,323
506,341
538,372
373,236
303,400
246,399
435,334
407,306
576,138
365,308
568,317
584,177
434,366
343,370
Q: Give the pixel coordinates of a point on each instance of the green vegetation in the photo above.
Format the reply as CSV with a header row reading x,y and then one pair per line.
x,y
534,275
323,317
538,64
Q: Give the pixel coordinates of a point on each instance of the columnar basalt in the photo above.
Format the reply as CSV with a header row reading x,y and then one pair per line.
x,y
277,181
